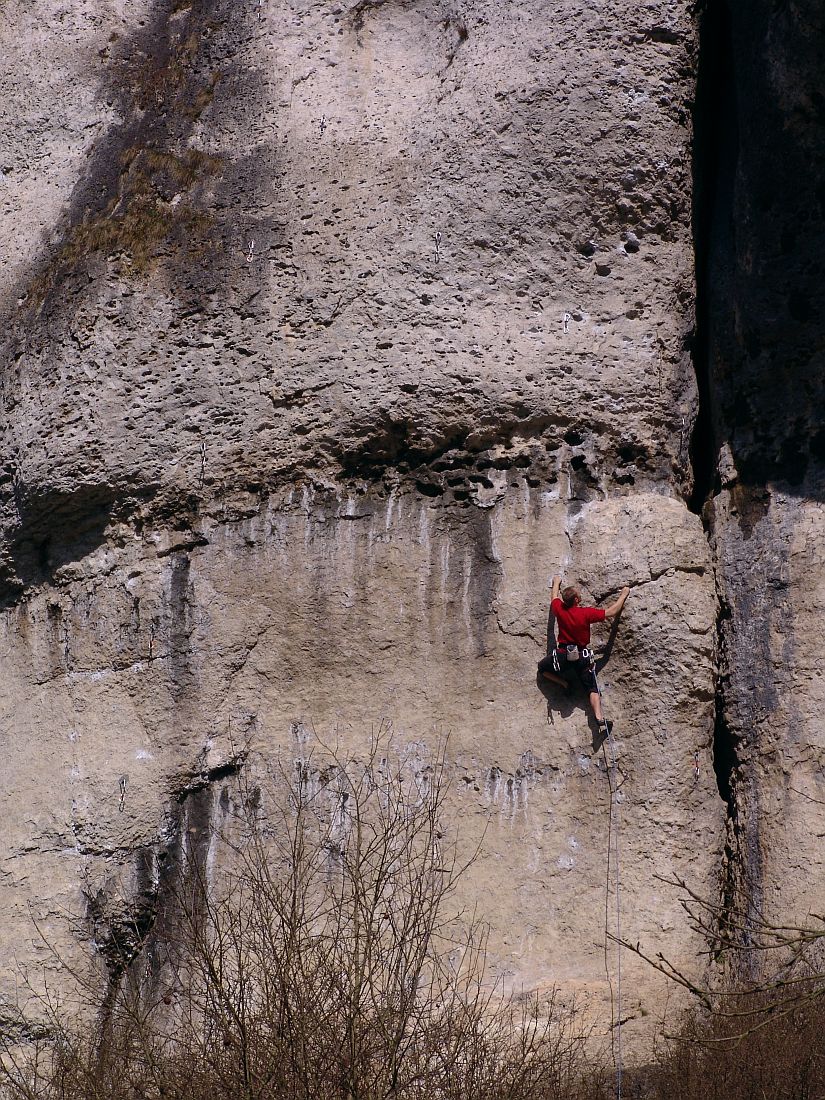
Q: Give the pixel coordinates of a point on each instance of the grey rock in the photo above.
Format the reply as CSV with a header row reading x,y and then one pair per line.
x,y
258,499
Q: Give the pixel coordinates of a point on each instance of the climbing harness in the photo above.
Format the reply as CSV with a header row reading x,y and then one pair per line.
x,y
573,653
612,856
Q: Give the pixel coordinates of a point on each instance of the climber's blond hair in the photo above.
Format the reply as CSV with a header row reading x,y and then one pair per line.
x,y
570,595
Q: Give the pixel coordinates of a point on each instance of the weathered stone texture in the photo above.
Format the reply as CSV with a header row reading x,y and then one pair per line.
x,y
763,208
330,332
320,617
556,172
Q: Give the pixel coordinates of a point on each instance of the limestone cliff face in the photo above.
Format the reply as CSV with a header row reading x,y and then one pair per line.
x,y
330,332
761,206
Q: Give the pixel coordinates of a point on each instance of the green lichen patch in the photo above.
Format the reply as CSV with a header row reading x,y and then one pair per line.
x,y
147,193
157,207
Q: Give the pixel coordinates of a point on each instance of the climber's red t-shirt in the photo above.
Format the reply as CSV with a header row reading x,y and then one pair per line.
x,y
574,622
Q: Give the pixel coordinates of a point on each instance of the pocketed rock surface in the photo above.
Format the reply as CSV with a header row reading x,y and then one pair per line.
x,y
330,333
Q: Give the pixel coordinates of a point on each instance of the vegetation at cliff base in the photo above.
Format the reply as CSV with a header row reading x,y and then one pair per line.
x,y
330,960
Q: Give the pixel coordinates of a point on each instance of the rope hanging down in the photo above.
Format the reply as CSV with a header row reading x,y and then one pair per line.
x,y
613,849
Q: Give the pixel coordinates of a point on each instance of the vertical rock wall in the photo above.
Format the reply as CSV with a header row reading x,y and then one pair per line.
x,y
761,133
319,619
329,333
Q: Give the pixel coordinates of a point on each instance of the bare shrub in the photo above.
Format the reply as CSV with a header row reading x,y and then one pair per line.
x,y
755,1029
327,959
778,1056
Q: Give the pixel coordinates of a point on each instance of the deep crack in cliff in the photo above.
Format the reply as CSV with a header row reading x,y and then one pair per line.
x,y
715,152
715,145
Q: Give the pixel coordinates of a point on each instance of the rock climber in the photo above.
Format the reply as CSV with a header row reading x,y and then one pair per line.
x,y
571,652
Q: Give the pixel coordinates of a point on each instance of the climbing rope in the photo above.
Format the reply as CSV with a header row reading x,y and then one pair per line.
x,y
613,847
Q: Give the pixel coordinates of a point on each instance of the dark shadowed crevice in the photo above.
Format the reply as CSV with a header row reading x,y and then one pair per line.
x,y
53,528
138,937
724,748
715,154
715,157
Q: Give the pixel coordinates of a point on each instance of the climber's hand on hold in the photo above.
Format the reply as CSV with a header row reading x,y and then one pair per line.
x,y
614,609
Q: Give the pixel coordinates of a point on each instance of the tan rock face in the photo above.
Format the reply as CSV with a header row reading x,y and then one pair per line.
x,y
330,333
321,618
349,238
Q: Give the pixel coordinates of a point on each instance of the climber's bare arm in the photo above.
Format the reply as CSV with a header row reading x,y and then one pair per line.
x,y
614,609
554,593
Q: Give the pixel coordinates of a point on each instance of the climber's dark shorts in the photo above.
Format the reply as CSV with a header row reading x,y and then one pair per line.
x,y
568,669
